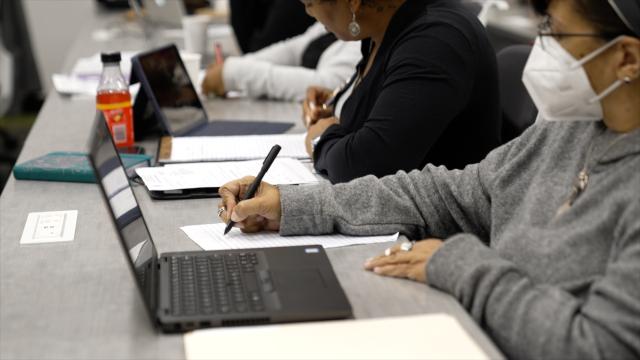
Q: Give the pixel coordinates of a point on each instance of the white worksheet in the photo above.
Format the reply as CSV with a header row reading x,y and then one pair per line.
x,y
283,171
224,148
210,237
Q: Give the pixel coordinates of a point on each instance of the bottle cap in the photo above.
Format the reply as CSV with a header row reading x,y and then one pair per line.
x,y
110,57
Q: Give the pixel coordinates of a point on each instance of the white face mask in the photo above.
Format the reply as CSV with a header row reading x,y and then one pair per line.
x,y
558,84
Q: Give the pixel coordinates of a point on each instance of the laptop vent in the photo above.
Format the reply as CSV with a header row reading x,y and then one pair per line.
x,y
242,322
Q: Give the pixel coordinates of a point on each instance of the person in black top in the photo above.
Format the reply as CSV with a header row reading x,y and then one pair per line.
x,y
260,23
426,90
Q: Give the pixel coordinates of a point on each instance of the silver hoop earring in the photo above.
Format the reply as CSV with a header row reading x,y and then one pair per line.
x,y
354,27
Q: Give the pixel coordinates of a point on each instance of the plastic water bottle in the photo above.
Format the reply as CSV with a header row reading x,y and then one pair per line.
x,y
114,100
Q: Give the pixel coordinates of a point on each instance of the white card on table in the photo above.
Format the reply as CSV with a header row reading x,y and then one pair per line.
x,y
48,227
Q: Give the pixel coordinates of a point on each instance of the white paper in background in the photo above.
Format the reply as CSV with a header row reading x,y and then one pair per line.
x,y
85,75
49,227
73,85
284,171
431,336
91,66
224,148
211,237
214,31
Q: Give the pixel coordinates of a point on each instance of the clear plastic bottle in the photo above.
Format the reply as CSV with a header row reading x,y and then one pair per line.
x,y
114,100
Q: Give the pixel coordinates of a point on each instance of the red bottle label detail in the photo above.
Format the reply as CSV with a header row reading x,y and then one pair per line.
x,y
119,116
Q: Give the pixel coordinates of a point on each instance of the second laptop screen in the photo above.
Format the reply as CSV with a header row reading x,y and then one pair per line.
x,y
173,90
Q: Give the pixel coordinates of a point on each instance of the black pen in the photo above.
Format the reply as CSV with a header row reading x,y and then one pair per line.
x,y
331,101
266,164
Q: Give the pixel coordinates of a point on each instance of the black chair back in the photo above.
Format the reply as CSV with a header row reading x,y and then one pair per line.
x,y
472,6
518,110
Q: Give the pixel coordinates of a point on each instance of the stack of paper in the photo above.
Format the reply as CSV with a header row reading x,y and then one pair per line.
x,y
85,75
283,171
435,336
224,148
210,237
92,66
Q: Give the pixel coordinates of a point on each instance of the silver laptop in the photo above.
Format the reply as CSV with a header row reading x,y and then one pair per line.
x,y
166,13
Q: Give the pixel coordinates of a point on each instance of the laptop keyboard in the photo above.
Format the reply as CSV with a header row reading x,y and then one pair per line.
x,y
216,284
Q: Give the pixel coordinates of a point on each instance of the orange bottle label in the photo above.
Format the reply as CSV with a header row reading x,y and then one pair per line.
x,y
119,115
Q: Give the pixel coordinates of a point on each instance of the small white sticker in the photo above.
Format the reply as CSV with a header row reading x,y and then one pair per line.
x,y
312,250
47,227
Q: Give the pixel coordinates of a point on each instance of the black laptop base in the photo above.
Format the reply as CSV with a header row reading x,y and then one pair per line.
x,y
248,287
147,125
242,127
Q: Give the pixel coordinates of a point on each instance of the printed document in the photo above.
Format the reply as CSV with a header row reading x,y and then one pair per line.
x,y
224,148
283,171
210,237
431,336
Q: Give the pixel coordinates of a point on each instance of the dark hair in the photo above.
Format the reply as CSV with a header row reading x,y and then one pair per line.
x,y
598,12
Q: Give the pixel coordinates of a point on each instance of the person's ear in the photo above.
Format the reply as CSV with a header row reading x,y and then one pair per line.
x,y
628,59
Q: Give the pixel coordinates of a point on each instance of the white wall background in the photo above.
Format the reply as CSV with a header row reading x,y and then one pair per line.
x,y
54,26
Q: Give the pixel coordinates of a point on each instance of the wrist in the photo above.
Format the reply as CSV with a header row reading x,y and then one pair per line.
x,y
278,204
314,143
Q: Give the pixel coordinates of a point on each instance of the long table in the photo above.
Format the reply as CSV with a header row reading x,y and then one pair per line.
x,y
78,300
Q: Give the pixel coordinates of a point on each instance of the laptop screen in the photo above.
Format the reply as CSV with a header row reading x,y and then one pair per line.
x,y
168,80
164,12
123,206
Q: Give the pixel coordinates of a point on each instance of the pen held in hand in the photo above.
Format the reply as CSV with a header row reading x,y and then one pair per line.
x,y
330,103
217,50
326,106
333,99
256,182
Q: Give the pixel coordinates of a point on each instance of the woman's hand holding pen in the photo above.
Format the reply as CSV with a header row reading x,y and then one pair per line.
x,y
314,107
262,212
213,82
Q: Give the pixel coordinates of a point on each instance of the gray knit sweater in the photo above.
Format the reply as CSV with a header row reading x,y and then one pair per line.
x,y
542,285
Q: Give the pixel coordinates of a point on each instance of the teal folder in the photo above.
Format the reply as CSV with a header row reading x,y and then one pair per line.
x,y
70,166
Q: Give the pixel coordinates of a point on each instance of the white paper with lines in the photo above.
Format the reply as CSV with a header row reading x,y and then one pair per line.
x,y
283,171
210,237
223,148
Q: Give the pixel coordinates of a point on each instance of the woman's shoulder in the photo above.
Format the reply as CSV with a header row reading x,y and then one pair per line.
x,y
451,13
553,139
556,131
449,22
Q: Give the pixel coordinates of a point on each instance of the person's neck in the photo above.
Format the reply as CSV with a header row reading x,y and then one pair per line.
x,y
381,17
622,114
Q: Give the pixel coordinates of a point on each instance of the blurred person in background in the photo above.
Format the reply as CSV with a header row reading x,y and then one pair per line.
x,y
260,23
286,69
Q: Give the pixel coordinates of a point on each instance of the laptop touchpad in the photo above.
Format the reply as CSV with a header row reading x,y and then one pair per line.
x,y
306,280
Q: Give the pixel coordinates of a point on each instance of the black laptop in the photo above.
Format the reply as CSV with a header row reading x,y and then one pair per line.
x,y
188,290
168,102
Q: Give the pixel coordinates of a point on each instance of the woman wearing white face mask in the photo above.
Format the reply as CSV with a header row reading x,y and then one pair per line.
x,y
558,81
540,241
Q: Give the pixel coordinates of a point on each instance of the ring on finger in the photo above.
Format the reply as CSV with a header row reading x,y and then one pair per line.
x,y
221,210
406,246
